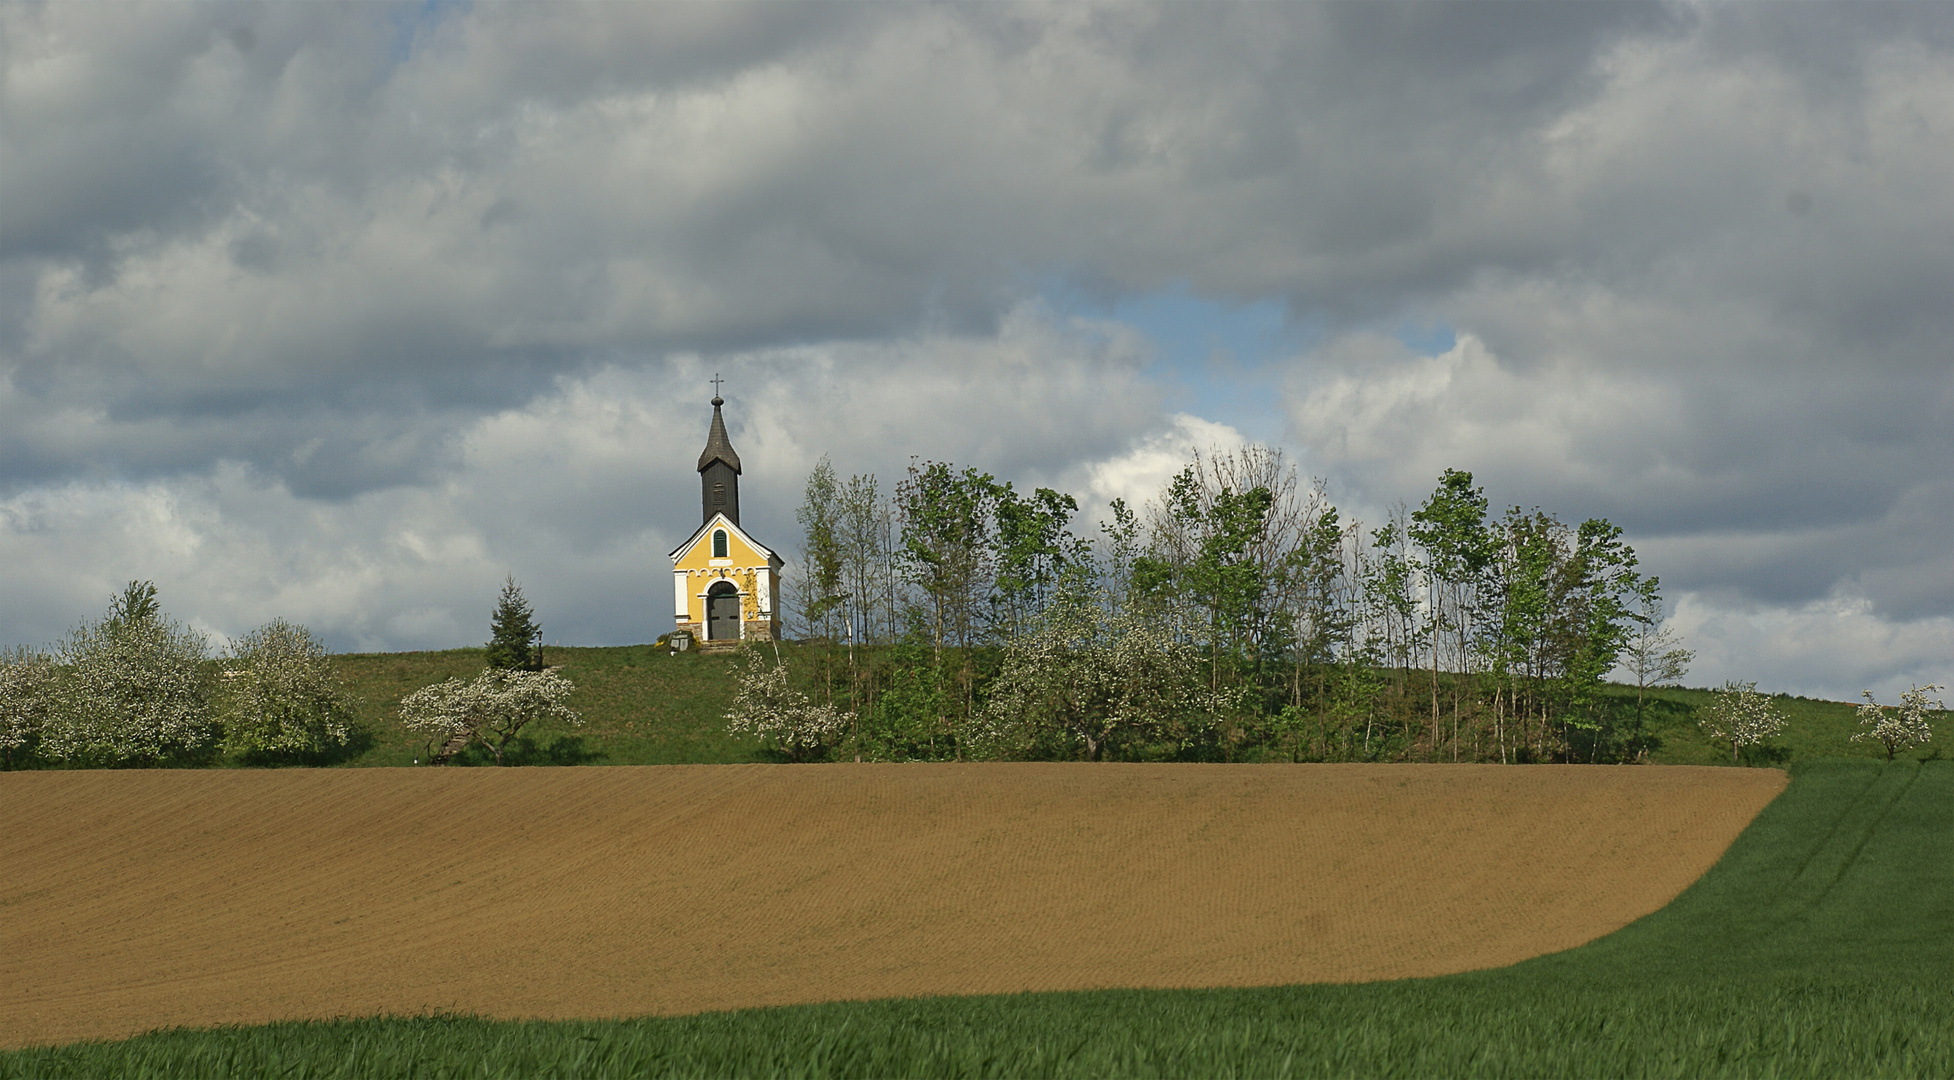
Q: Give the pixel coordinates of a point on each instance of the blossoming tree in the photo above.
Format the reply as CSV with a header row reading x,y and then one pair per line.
x,y
1089,678
492,710
130,689
1902,728
280,694
766,705
1741,717
26,681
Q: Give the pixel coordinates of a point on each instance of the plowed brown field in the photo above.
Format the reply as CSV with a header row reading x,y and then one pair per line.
x,y
132,900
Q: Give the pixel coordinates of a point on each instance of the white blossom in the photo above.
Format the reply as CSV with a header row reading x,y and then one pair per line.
x,y
767,706
130,691
1902,728
1741,717
26,684
281,694
492,710
1089,675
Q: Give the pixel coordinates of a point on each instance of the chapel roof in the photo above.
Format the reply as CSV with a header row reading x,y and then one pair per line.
x,y
718,446
721,521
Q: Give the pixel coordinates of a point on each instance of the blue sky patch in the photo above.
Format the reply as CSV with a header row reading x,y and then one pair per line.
x,y
1224,362
1428,339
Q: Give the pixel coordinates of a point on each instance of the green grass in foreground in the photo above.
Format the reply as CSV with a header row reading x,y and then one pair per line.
x,y
1821,945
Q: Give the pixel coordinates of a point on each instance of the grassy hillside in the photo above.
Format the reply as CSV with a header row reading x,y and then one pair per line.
x,y
1817,946
645,707
1817,729
639,707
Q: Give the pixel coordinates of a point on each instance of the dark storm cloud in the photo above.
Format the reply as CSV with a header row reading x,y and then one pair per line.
x,y
901,166
1702,255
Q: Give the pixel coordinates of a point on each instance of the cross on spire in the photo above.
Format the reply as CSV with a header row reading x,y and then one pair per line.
x,y
716,380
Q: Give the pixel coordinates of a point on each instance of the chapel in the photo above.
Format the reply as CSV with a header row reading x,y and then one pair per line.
x,y
724,582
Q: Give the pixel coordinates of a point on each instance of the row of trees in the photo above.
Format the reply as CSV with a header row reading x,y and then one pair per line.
x,y
136,687
1238,615
1741,718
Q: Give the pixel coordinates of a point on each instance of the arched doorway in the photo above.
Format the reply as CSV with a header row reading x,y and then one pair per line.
x,y
722,612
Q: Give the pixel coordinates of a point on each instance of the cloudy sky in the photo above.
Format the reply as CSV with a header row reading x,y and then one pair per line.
x,y
344,312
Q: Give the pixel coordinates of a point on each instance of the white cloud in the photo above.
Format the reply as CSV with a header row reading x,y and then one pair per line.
x,y
1139,474
1828,648
1396,420
581,492
381,306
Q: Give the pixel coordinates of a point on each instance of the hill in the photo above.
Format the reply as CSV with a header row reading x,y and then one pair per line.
x,y
643,706
640,706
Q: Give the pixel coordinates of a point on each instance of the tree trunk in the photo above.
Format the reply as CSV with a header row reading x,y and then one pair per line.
x,y
1499,718
1434,691
456,744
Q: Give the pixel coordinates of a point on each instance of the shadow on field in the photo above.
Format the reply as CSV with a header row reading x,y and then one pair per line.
x,y
558,750
358,742
1776,757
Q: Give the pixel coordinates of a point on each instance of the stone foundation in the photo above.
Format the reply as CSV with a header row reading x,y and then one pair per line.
x,y
757,631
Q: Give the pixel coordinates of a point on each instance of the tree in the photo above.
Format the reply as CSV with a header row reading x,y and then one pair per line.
x,y
1558,617
1035,548
823,603
766,705
946,549
1122,547
1519,642
819,592
904,719
280,694
948,555
515,641
868,563
1390,581
1653,653
26,683
1594,626
1451,529
1087,676
491,710
1445,631
1326,596
132,688
1227,580
1901,729
1223,541
137,604
1741,716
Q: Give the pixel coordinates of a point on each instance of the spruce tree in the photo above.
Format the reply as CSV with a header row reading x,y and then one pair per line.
x,y
514,637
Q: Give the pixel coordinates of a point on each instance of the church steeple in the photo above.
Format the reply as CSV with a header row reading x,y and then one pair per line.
x,y
719,469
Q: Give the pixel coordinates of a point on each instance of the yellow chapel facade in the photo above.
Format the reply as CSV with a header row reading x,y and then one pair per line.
x,y
725,584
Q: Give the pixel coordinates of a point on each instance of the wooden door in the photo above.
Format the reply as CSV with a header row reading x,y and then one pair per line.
x,y
723,614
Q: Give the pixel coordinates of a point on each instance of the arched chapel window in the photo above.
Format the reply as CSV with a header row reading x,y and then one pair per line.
x,y
719,543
